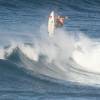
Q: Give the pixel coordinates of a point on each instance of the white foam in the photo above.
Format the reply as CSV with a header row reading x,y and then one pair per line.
x,y
57,48
89,55
2,54
62,46
6,52
29,52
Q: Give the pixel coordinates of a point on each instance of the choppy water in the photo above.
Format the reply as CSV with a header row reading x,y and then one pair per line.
x,y
34,66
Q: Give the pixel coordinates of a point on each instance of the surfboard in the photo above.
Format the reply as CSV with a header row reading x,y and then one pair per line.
x,y
51,24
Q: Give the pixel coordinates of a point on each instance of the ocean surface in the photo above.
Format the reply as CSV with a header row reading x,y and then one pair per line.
x,y
36,67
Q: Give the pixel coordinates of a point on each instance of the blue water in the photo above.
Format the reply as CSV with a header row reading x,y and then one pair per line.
x,y
36,67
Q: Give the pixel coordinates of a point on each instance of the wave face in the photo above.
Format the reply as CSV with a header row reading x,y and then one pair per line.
x,y
34,66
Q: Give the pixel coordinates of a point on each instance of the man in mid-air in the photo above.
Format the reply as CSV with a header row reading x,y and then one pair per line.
x,y
59,21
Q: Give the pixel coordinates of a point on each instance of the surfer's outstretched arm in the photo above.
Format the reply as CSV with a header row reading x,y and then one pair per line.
x,y
66,17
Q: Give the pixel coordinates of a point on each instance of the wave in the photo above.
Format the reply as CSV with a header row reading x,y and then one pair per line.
x,y
63,57
69,56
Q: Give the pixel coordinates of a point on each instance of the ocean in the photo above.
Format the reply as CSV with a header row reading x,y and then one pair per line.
x,y
34,66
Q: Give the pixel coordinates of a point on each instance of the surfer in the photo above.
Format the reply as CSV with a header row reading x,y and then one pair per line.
x,y
59,21
55,21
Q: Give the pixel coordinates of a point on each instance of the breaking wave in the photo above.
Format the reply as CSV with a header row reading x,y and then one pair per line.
x,y
63,57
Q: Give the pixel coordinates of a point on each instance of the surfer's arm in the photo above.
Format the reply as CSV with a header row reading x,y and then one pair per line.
x,y
66,17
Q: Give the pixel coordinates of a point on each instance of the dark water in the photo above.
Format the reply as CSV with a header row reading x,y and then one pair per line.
x,y
35,67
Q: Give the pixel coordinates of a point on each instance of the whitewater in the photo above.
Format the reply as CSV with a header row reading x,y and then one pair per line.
x,y
34,66
65,56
